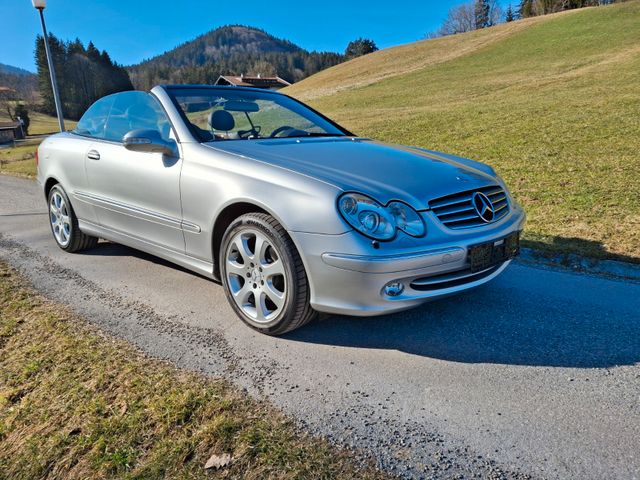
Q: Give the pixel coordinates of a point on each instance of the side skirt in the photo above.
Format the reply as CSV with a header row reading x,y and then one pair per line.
x,y
198,266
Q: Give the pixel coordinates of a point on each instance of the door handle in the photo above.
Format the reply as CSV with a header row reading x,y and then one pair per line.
x,y
93,155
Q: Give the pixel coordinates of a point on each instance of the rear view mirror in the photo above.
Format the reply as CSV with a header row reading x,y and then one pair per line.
x,y
149,141
241,106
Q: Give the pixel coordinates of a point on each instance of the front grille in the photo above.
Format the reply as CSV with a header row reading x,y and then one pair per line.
x,y
456,211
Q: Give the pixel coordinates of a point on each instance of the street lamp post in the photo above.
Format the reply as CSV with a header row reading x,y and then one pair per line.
x,y
40,5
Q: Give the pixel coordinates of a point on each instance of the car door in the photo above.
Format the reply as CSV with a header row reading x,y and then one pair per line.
x,y
76,148
136,193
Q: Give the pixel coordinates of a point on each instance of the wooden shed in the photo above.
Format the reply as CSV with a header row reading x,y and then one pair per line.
x,y
269,83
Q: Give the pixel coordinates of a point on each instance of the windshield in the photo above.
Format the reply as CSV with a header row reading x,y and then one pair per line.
x,y
232,113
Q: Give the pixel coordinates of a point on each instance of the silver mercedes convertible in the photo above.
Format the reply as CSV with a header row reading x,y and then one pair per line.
x,y
292,213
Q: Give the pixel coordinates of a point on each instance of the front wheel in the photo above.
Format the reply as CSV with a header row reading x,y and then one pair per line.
x,y
64,223
263,276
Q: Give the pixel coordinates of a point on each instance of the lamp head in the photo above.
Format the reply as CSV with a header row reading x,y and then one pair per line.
x,y
39,4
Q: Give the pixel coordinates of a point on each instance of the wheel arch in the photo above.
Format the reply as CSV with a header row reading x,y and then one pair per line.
x,y
227,215
48,185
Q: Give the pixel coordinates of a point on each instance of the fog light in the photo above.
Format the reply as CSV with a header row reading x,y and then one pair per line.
x,y
394,289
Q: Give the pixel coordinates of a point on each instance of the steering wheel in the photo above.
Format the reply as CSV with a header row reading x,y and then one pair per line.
x,y
281,129
251,133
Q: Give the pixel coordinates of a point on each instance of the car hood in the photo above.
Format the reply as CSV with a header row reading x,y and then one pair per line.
x,y
382,171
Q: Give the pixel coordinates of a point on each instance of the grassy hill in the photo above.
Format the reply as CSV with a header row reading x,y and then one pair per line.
x,y
553,103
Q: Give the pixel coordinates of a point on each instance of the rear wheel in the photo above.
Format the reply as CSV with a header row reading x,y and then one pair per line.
x,y
263,276
64,223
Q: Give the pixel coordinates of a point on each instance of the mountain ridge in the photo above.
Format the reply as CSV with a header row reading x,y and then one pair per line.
x,y
11,70
232,50
204,44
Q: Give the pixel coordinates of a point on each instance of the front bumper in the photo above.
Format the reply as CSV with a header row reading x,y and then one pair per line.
x,y
348,275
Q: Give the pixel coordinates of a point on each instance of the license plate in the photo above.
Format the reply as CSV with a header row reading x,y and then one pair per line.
x,y
487,255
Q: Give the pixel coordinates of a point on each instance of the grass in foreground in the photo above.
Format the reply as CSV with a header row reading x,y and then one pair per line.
x,y
552,103
76,404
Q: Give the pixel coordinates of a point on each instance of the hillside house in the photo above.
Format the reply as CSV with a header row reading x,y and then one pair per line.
x,y
268,83
10,131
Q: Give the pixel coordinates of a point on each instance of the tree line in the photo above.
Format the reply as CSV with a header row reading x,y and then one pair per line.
x,y
532,8
84,74
24,86
16,92
291,66
477,14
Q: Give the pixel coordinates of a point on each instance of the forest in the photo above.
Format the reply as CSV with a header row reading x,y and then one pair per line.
x,y
84,74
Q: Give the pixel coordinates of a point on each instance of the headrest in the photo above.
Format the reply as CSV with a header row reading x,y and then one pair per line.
x,y
221,120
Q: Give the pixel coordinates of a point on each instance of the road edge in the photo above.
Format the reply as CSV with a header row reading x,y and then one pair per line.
x,y
612,269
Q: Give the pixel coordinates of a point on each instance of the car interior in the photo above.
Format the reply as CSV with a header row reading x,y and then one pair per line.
x,y
230,118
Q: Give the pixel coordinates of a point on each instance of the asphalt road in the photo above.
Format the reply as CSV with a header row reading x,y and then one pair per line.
x,y
536,374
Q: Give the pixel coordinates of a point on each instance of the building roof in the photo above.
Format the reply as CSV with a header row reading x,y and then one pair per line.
x,y
9,125
257,82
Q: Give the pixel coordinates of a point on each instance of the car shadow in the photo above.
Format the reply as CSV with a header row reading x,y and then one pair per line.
x,y
108,249
483,326
566,248
495,323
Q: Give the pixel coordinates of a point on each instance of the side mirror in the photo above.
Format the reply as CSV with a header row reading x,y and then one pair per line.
x,y
149,141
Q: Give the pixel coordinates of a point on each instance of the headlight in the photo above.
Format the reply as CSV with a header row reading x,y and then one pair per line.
x,y
377,221
407,219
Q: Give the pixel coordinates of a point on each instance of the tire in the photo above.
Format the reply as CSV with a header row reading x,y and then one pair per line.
x,y
64,223
263,276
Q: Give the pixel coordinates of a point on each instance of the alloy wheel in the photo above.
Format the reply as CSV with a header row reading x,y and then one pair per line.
x,y
256,276
60,219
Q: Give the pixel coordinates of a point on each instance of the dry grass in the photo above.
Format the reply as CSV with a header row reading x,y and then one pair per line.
x,y
45,124
403,59
75,404
553,104
20,158
42,124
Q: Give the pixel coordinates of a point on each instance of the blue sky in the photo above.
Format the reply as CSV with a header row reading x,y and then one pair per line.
x,y
137,29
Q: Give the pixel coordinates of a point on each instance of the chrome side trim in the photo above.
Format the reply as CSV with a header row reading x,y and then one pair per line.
x,y
137,212
190,227
394,263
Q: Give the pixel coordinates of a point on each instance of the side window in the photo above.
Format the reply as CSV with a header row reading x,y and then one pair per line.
x,y
94,120
134,111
